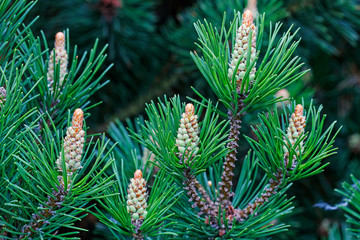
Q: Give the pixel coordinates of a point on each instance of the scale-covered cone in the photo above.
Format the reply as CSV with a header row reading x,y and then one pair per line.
x,y
2,96
241,49
137,196
187,136
60,56
73,144
293,132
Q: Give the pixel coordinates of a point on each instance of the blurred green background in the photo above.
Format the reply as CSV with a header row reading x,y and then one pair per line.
x,y
149,43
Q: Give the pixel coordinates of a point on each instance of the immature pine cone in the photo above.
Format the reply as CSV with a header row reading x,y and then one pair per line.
x,y
60,56
137,196
187,136
295,129
73,144
2,96
241,47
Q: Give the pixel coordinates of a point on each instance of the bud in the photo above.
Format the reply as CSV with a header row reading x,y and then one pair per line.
x,y
283,94
78,119
187,136
61,57
2,96
241,48
60,41
354,142
73,144
248,18
293,132
137,196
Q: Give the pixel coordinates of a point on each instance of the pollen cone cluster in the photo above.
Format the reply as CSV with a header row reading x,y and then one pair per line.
x,y
61,57
293,132
73,144
187,136
137,196
240,52
2,96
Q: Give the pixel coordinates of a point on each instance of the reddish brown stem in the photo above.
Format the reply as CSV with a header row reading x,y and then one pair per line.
x,y
137,224
241,215
205,197
234,115
190,186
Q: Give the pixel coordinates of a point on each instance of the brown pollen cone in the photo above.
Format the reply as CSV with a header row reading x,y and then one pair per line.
x,y
230,159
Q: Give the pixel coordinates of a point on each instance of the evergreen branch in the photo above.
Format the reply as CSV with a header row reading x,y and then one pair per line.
x,y
40,219
205,195
12,15
351,192
159,135
241,215
229,164
304,157
78,81
163,195
37,180
191,185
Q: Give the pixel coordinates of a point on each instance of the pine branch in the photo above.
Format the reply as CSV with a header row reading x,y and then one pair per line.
x,y
186,149
129,215
241,215
242,63
234,116
191,185
205,197
51,206
351,205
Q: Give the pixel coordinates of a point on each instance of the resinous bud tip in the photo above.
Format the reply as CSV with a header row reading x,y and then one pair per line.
x,y
138,174
59,39
78,119
189,109
299,110
248,18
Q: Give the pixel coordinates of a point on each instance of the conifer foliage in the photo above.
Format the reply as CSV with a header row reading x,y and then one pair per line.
x,y
46,181
351,193
200,153
183,184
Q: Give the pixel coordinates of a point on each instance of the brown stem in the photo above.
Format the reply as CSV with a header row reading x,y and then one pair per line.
x,y
205,196
240,215
137,224
191,183
39,220
234,115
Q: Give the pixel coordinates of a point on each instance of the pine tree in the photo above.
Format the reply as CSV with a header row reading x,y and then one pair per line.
x,y
46,182
199,153
175,176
